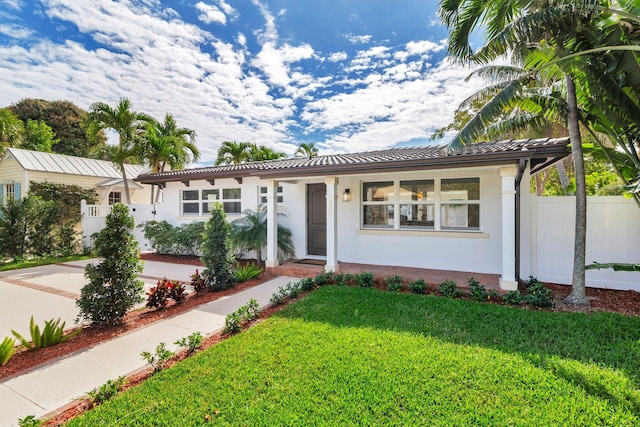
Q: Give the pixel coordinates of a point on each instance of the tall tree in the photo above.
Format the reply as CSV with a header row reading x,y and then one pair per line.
x,y
11,129
68,122
517,27
129,125
258,153
38,136
166,144
231,152
307,149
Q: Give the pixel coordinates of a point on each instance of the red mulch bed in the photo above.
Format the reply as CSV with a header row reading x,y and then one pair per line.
x,y
624,302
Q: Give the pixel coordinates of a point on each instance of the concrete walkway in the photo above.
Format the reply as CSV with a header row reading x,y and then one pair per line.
x,y
47,389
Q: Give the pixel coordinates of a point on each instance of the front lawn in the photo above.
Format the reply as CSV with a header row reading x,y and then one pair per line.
x,y
354,356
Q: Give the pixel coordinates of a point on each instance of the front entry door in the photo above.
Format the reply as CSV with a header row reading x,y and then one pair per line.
x,y
317,219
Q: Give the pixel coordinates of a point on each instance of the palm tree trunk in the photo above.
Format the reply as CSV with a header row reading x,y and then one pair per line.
x,y
157,198
125,182
578,294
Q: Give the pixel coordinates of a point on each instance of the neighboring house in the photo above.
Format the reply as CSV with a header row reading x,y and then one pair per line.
x,y
18,168
410,207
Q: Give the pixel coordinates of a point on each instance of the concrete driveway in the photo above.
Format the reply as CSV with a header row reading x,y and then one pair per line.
x,y
50,291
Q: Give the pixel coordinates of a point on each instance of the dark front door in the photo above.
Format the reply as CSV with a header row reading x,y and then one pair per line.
x,y
317,219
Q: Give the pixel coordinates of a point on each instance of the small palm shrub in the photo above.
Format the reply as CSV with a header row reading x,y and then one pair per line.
x,y
52,333
365,279
394,283
418,286
513,298
538,294
247,272
7,349
449,289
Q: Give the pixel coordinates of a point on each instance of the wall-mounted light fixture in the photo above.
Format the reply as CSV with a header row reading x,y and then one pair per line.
x,y
346,195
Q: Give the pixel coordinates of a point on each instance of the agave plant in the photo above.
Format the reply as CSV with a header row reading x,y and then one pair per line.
x,y
51,334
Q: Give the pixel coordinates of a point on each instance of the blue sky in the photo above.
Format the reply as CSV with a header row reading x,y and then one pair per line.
x,y
350,75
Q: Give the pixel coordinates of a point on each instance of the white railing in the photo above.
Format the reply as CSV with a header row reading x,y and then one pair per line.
x,y
93,220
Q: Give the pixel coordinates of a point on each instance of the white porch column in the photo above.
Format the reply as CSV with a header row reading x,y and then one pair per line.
x,y
332,223
272,223
508,279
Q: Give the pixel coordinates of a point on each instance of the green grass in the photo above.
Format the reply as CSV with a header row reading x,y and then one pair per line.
x,y
16,265
353,356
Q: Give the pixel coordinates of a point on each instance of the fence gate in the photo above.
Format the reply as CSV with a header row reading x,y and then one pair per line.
x,y
93,220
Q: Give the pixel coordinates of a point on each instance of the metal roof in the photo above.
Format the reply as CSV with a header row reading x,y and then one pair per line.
x,y
543,150
60,163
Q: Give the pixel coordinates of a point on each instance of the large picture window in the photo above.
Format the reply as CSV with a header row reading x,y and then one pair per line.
x,y
446,204
200,202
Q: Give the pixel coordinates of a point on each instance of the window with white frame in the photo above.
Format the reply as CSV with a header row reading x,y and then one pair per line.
x,y
262,195
418,203
200,202
9,191
115,197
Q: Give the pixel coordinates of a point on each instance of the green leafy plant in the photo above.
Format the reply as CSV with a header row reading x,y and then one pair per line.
x,y
292,290
538,294
106,391
279,296
234,322
159,358
191,342
307,284
51,334
7,349
247,272
394,283
365,279
185,239
158,295
29,421
513,298
113,287
418,286
478,291
449,289
177,291
216,255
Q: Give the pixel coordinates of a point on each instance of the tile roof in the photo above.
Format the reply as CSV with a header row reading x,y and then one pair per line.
x,y
393,159
59,163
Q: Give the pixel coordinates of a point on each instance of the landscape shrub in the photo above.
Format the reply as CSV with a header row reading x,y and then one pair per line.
x,y
325,278
217,257
449,289
185,239
513,298
364,279
247,272
29,421
191,342
199,282
7,349
51,334
234,322
280,296
26,226
418,286
164,290
538,294
477,292
106,391
159,358
307,284
394,283
113,287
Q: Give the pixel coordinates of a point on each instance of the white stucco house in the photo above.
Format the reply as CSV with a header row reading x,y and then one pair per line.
x,y
410,207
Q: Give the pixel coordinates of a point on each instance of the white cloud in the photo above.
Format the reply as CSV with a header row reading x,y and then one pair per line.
x,y
338,56
355,39
210,13
13,4
228,9
15,31
282,12
422,47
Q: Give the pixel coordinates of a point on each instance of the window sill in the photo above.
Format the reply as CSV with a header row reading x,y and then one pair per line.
x,y
423,233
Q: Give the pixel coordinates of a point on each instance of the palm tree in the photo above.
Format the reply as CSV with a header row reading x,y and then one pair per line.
x,y
307,149
128,124
231,152
11,129
518,27
250,233
258,153
166,144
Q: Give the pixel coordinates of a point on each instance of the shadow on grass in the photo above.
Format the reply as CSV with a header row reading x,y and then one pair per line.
x,y
546,339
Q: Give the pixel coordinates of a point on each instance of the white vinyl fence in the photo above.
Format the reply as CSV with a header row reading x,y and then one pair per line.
x,y
93,220
613,235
